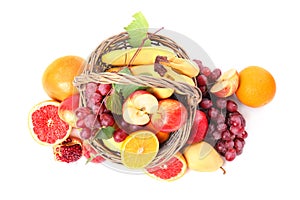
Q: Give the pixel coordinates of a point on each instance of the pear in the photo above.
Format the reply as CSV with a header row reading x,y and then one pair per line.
x,y
203,157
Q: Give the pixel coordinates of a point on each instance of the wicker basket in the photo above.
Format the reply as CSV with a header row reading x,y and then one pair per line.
x,y
95,72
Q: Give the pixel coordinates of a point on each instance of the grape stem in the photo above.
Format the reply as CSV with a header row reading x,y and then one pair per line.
x,y
141,46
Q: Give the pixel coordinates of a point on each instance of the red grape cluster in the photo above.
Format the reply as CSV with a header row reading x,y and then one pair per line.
x,y
226,130
95,115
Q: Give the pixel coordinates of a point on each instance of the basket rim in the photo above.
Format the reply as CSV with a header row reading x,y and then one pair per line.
x,y
192,94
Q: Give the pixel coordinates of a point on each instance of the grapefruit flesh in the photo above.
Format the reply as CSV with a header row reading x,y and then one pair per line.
x,y
172,170
45,125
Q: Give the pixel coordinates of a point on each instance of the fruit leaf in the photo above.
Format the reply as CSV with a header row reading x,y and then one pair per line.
x,y
105,133
114,103
137,30
126,90
159,68
89,159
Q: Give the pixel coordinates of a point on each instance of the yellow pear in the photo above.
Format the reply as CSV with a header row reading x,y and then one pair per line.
x,y
203,157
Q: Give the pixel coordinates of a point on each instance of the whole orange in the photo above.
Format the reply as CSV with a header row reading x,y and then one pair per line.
x,y
257,86
59,75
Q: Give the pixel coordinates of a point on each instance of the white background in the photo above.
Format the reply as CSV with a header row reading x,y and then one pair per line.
x,y
235,34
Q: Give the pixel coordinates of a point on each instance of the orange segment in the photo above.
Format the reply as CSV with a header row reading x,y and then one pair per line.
x,y
139,149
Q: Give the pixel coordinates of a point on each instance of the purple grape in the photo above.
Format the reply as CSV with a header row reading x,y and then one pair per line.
x,y
82,112
236,119
85,133
199,63
91,121
221,118
96,98
217,135
229,144
242,135
119,135
213,113
90,89
106,119
203,89
211,128
226,135
206,103
236,130
104,89
202,80
239,144
230,154
231,106
205,71
220,147
214,75
80,123
221,127
221,103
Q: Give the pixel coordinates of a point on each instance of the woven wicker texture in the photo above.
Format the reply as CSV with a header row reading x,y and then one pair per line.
x,y
95,72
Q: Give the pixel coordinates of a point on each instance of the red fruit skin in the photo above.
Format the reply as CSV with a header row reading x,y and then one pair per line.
x,y
66,109
199,128
89,151
170,117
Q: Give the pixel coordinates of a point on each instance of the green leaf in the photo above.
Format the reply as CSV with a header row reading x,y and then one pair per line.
x,y
114,103
105,133
126,90
137,30
89,159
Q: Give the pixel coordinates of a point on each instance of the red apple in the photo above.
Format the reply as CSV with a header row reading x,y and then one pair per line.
x,y
199,128
170,116
226,84
138,107
66,110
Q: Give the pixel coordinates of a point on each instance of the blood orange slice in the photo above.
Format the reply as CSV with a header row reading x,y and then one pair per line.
x,y
45,125
172,170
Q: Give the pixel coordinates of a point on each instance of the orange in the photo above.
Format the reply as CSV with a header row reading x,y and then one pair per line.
x,y
162,136
45,125
139,149
59,75
171,170
257,86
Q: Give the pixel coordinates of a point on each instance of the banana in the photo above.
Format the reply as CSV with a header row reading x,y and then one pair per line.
x,y
147,55
183,66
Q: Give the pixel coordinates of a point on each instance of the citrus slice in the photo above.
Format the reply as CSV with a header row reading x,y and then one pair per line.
x,y
139,149
172,170
45,125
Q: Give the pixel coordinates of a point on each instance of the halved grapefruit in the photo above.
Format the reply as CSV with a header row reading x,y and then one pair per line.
x,y
172,170
45,125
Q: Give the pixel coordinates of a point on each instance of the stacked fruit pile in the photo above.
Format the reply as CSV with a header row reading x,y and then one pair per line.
x,y
135,121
